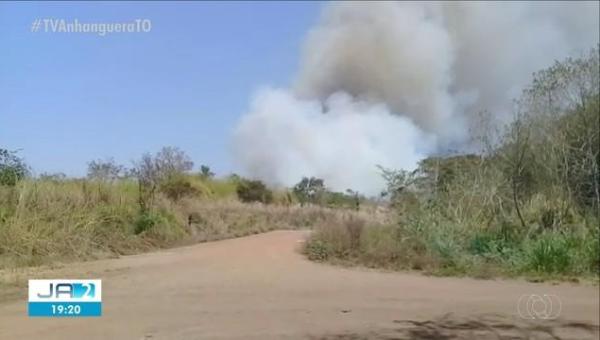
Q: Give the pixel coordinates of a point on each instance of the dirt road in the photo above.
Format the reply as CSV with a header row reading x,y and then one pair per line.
x,y
259,287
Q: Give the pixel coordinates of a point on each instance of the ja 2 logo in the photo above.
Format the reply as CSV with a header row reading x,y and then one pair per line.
x,y
70,290
65,298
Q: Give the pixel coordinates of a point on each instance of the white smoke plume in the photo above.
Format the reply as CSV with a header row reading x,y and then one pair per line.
x,y
389,83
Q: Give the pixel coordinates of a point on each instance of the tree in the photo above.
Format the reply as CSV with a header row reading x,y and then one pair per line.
x,y
517,162
172,160
168,162
309,190
151,171
205,172
105,170
552,147
148,180
12,168
396,182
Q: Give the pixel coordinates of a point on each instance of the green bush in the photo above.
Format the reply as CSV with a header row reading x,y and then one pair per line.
x,y
12,168
177,187
317,250
253,191
549,254
146,221
491,244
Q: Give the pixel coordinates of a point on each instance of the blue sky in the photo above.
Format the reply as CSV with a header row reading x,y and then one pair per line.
x,y
68,98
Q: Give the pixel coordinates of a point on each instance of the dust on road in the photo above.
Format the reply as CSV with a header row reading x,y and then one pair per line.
x,y
260,287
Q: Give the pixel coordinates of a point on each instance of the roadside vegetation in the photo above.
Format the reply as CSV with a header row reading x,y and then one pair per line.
x,y
525,204
159,202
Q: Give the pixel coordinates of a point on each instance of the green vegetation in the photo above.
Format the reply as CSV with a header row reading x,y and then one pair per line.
x,y
205,172
310,190
115,211
253,191
313,191
526,204
12,168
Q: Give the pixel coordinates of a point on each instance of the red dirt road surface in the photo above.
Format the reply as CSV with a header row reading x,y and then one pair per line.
x,y
260,287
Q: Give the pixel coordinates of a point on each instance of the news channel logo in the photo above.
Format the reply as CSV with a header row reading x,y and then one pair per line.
x,y
539,306
65,298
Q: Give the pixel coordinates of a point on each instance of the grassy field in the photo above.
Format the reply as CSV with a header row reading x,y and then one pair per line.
x,y
46,221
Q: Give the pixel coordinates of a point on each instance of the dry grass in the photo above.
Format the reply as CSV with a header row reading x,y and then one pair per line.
x,y
45,222
443,247
212,220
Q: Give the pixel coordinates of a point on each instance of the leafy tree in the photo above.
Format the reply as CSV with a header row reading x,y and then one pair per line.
x,y
396,182
552,147
12,168
205,172
540,170
438,173
309,190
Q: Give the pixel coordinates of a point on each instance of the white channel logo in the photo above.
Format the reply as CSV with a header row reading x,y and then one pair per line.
x,y
539,306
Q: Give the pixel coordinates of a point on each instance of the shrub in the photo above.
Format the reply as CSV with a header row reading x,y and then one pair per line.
x,y
152,170
145,221
491,243
176,187
12,168
350,199
549,254
354,227
317,250
254,191
205,172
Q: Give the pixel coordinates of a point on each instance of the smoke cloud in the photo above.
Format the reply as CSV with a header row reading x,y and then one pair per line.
x,y
387,84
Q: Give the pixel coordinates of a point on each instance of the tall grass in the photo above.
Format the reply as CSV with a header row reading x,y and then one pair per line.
x,y
45,221
441,246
